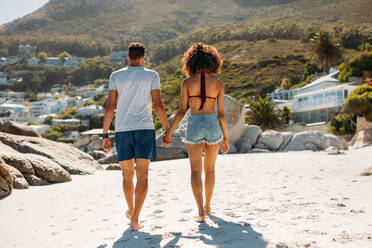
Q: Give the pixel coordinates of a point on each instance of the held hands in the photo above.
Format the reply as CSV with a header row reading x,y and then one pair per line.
x,y
167,140
225,147
106,144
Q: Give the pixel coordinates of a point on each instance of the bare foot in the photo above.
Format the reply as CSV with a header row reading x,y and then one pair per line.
x,y
200,219
135,225
128,214
207,210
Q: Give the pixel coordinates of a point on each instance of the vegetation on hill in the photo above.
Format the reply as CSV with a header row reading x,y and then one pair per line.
x,y
360,102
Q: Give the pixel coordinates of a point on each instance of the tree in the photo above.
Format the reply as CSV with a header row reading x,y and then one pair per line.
x,y
286,83
264,114
326,51
63,56
310,69
366,47
360,102
42,56
286,115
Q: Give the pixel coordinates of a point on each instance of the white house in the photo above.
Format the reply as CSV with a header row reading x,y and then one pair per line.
x,y
67,122
47,107
33,61
321,83
90,110
73,61
15,112
52,61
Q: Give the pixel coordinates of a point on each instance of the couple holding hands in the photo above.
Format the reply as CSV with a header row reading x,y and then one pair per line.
x,y
132,92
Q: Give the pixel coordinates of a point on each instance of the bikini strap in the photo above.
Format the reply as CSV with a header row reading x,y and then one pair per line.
x,y
202,89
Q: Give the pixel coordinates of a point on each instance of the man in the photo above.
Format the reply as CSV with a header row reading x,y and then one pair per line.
x,y
132,90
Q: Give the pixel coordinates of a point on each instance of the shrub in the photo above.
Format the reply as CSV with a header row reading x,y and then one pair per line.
x,y
342,124
263,113
360,102
66,140
356,66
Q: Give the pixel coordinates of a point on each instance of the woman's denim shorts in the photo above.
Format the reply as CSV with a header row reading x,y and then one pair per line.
x,y
203,128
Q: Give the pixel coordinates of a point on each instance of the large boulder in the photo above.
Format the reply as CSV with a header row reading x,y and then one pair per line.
x,y
70,158
168,153
312,140
12,127
362,138
6,180
19,182
35,180
98,154
271,139
111,158
250,135
287,137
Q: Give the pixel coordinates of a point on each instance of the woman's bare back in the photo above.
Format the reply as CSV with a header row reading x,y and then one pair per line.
x,y
213,87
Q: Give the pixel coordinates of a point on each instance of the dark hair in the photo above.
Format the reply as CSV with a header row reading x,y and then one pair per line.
x,y
136,50
201,57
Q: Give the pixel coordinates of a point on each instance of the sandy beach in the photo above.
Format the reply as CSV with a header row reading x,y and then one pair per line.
x,y
275,200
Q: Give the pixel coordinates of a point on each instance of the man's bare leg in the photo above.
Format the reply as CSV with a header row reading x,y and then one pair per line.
x,y
210,156
127,168
142,171
196,163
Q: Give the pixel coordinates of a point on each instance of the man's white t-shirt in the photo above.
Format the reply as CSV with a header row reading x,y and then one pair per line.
x,y
134,104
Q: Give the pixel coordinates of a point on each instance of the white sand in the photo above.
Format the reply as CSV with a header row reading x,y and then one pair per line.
x,y
296,199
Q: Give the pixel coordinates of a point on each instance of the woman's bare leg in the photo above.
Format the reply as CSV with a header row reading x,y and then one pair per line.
x,y
196,163
210,156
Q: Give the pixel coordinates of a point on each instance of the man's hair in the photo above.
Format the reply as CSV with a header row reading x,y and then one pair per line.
x,y
136,50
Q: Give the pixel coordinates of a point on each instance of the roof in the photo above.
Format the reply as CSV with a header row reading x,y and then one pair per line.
x,y
66,120
329,89
12,105
332,77
96,131
93,106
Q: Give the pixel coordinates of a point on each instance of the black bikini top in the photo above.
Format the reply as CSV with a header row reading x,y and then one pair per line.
x,y
202,90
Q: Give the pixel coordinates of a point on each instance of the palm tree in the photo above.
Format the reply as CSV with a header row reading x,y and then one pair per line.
x,y
264,114
326,51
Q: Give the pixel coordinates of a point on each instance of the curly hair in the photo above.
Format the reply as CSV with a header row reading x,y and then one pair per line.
x,y
136,50
201,57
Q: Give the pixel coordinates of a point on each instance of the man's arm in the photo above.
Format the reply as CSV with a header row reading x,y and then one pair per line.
x,y
159,108
109,114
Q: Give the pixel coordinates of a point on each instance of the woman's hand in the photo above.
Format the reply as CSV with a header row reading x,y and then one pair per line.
x,y
225,147
167,140
106,144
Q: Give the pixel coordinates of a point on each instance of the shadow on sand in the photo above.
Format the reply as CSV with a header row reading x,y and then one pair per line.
x,y
226,234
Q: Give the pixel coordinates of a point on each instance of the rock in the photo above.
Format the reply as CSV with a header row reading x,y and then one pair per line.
x,y
362,139
94,145
287,137
235,118
256,150
6,180
83,141
48,170
249,138
113,167
334,141
98,154
232,148
367,172
332,150
109,159
308,140
168,153
261,146
345,144
177,136
16,159
271,139
94,138
12,127
70,158
35,180
19,182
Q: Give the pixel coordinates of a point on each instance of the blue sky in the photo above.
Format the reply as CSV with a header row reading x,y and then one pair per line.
x,y
13,9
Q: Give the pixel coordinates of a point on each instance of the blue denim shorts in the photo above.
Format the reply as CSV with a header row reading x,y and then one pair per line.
x,y
136,144
203,129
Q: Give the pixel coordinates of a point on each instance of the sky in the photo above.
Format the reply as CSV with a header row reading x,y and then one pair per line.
x,y
13,9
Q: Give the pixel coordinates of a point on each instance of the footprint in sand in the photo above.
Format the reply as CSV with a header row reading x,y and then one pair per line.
x,y
158,211
187,211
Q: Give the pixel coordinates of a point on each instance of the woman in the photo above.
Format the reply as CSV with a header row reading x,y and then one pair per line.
x,y
205,129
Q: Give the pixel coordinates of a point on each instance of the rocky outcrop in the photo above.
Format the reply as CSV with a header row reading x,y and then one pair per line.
x,y
35,180
367,172
19,181
362,138
113,167
69,158
271,140
168,153
249,138
12,127
287,137
6,180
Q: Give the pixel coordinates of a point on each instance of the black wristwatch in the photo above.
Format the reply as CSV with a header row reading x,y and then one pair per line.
x,y
105,136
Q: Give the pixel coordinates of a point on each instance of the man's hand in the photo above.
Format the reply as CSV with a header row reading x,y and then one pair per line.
x,y
225,147
106,144
167,140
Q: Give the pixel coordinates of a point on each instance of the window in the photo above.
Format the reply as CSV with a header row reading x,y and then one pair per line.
x,y
346,94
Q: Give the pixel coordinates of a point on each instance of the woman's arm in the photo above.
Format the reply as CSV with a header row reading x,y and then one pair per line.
x,y
221,117
182,109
